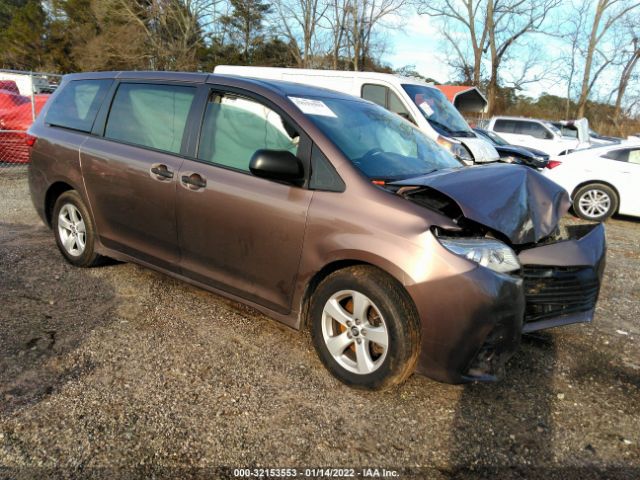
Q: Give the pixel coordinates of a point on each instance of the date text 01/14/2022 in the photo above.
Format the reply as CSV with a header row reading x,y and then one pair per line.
x,y
315,473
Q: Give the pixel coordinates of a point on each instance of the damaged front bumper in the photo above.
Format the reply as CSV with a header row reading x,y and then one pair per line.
x,y
562,279
486,312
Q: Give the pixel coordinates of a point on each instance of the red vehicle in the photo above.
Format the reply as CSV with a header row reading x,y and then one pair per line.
x,y
16,116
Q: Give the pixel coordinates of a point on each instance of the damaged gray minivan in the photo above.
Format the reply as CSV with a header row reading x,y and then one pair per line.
x,y
322,210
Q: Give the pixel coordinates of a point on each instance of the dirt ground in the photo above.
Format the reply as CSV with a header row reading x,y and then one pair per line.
x,y
121,372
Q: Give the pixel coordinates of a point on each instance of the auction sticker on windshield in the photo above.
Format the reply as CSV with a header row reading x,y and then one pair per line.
x,y
313,107
426,108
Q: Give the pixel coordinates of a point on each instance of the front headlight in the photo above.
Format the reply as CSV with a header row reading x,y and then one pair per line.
x,y
456,149
492,254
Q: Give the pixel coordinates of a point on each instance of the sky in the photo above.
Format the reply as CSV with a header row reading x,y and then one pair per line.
x,y
418,42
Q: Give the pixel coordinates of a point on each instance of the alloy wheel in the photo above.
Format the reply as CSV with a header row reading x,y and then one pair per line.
x,y
355,332
594,203
72,230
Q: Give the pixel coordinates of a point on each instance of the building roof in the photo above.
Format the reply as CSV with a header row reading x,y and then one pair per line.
x,y
465,98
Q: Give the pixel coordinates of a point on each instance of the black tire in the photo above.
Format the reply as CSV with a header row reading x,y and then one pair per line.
x,y
399,317
585,194
87,257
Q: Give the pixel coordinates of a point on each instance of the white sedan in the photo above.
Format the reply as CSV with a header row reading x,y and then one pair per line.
x,y
601,180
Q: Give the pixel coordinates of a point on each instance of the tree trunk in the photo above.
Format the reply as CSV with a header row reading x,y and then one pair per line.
x,y
593,40
624,81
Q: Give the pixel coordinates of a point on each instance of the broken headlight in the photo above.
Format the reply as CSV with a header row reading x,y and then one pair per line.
x,y
456,149
489,253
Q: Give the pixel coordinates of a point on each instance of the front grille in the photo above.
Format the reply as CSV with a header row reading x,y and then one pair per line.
x,y
555,291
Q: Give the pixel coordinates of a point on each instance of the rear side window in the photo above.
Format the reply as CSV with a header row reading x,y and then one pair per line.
x,y
621,155
534,129
505,126
150,115
77,105
624,155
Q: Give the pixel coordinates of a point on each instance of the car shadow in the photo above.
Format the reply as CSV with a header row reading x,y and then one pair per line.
x,y
41,324
503,429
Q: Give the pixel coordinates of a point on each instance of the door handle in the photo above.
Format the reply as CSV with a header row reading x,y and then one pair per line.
x,y
194,181
161,171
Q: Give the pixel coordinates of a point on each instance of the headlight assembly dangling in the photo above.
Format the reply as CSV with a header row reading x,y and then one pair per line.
x,y
456,149
492,254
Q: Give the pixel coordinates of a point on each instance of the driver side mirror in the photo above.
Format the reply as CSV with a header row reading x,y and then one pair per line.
x,y
276,165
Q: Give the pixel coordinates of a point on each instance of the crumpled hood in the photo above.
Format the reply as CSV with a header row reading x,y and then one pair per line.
x,y
514,200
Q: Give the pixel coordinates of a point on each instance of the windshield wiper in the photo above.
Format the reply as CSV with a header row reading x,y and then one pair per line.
x,y
450,131
436,123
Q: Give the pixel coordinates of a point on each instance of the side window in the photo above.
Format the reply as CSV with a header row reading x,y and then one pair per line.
x,y
150,115
396,105
375,93
634,156
77,105
622,155
505,126
531,128
235,127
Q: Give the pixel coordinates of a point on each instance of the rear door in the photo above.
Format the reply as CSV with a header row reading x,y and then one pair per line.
x,y
238,232
131,173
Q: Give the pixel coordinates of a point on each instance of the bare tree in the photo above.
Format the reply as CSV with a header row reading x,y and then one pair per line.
x,y
574,32
298,21
336,17
470,15
490,26
627,70
507,22
607,13
168,33
361,21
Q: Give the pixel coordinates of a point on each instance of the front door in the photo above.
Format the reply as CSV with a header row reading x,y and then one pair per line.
x,y
238,232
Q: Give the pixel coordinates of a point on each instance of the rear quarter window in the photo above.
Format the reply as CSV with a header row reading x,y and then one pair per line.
x,y
77,105
620,155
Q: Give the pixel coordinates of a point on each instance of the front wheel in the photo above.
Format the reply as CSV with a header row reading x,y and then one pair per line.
x,y
365,328
595,202
74,230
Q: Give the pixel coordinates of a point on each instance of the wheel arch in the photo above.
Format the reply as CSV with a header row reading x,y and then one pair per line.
x,y
330,268
53,193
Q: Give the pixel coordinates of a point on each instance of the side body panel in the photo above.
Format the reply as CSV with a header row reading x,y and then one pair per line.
x,y
242,233
133,209
55,158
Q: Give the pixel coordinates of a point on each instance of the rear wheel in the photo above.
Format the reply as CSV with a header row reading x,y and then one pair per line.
x,y
365,328
74,230
595,202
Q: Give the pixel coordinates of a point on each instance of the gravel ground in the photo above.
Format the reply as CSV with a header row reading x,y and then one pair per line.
x,y
121,372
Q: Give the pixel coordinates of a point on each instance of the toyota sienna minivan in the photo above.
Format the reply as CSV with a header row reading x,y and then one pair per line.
x,y
322,210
